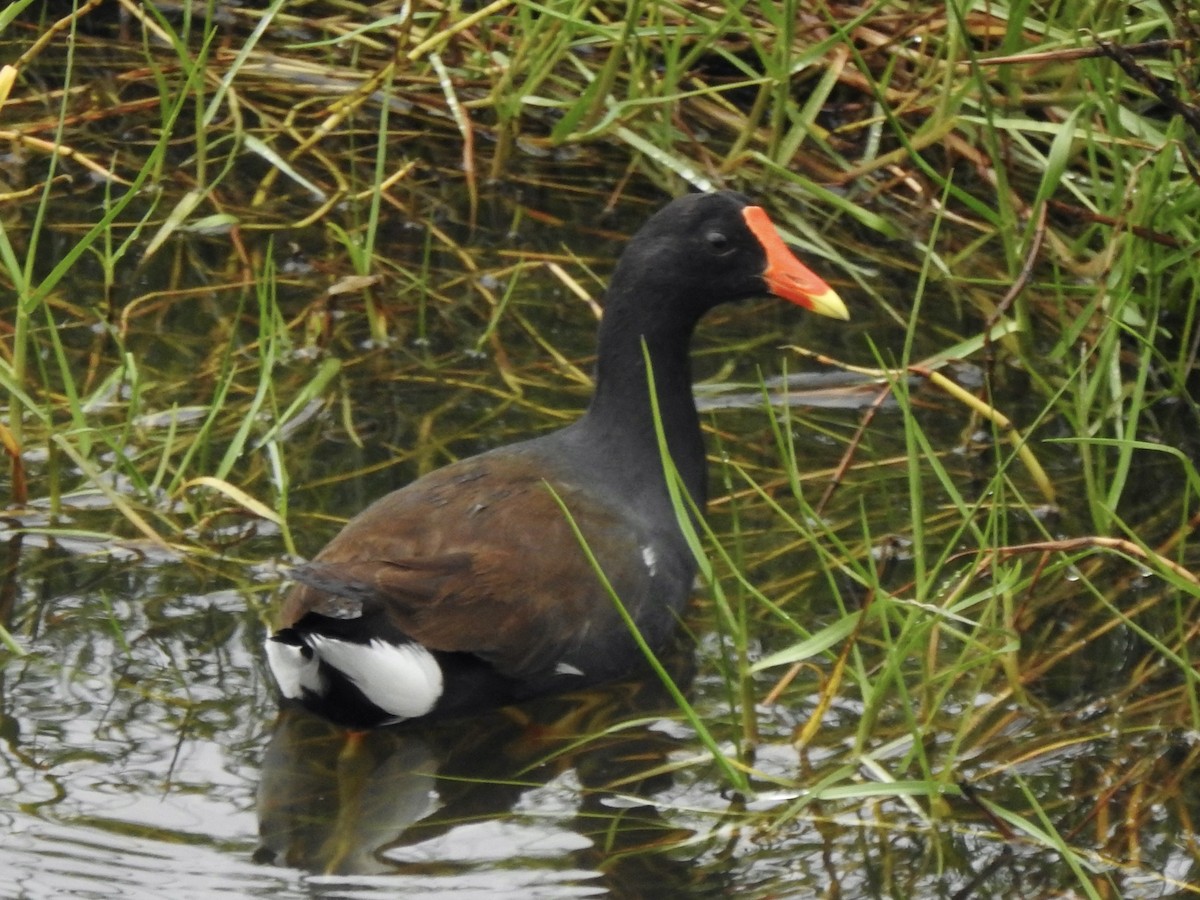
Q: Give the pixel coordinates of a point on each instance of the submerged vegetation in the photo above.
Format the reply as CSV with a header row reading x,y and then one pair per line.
x,y
268,261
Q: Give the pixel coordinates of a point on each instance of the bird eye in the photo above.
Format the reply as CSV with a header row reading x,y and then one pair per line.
x,y
718,241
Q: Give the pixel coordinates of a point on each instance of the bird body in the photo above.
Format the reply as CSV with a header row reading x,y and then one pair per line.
x,y
469,586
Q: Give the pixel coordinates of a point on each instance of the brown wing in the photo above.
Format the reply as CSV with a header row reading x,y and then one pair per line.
x,y
478,557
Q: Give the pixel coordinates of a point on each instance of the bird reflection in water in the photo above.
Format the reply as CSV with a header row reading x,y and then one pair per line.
x,y
343,802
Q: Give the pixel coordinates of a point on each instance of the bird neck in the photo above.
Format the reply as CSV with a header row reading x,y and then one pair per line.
x,y
621,409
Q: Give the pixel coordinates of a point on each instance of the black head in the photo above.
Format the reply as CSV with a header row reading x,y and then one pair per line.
x,y
702,250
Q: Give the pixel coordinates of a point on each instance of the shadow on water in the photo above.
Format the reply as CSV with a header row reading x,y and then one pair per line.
x,y
558,791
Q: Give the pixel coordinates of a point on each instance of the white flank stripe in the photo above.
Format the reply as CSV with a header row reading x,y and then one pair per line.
x,y
292,671
650,558
404,680
565,668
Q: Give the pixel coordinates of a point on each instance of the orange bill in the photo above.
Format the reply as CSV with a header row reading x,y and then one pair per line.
x,y
786,276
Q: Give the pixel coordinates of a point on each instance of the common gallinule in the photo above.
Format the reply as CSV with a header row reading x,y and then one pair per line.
x,y
468,586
